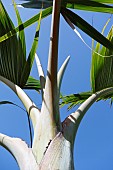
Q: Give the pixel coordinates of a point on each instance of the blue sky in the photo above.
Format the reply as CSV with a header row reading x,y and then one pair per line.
x,y
94,140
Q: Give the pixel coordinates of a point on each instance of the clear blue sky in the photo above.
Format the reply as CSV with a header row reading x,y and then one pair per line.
x,y
94,140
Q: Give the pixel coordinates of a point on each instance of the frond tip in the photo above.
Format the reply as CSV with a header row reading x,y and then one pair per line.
x,y
41,73
61,73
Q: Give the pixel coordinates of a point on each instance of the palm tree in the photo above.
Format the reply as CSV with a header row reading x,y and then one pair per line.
x,y
52,142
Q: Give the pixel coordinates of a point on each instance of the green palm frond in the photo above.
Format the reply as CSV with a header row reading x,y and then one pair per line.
x,y
87,5
82,24
102,67
29,62
9,50
13,63
11,103
90,5
32,83
37,5
74,99
26,24
101,74
85,27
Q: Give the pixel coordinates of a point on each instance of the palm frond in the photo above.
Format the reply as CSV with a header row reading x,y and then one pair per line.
x,y
90,5
102,67
4,102
85,27
32,84
13,63
38,5
29,62
87,5
74,99
24,25
9,50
